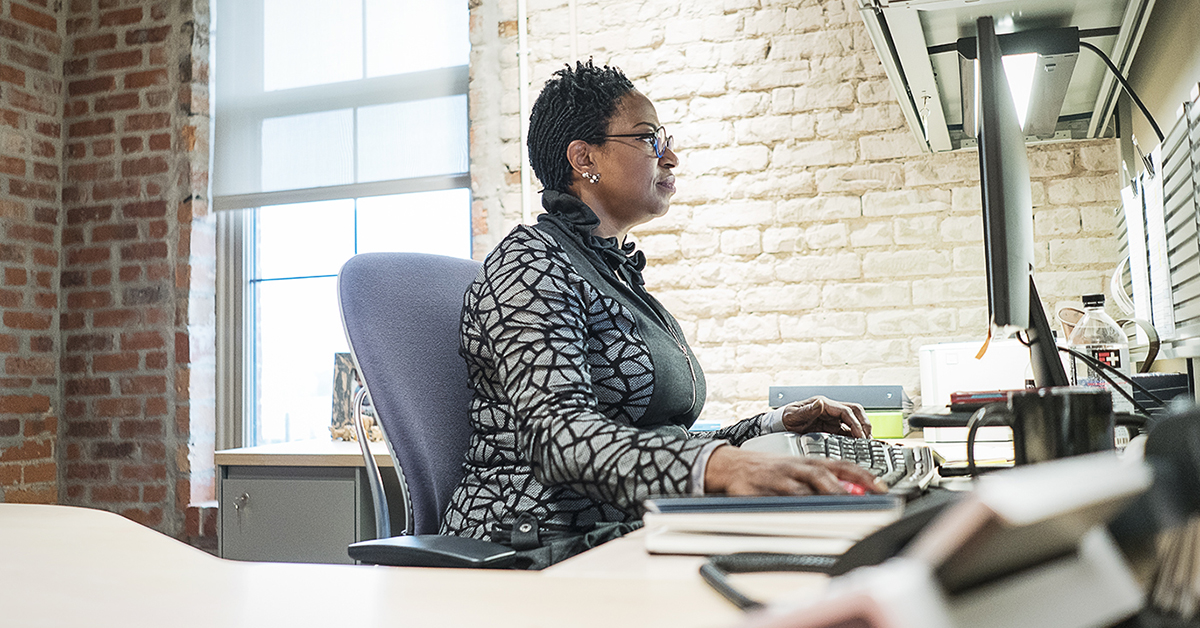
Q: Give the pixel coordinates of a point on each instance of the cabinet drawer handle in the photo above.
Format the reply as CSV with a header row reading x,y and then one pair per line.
x,y
240,501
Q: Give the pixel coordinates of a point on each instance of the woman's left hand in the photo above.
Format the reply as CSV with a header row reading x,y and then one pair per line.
x,y
822,414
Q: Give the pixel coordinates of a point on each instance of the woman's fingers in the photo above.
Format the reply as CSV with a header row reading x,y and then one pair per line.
x,y
853,473
736,472
820,478
820,412
860,416
851,415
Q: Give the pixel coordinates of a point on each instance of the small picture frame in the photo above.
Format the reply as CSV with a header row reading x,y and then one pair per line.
x,y
345,382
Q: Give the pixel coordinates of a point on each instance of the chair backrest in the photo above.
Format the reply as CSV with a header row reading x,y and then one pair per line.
x,y
401,313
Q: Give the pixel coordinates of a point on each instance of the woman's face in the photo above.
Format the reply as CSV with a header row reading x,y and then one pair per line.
x,y
635,185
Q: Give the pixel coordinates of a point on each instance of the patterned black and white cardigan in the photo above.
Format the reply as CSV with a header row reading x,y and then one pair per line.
x,y
584,386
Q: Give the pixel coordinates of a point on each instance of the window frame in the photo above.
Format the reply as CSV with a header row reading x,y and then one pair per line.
x,y
240,130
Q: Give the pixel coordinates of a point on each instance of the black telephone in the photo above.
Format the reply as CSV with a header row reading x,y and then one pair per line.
x,y
887,541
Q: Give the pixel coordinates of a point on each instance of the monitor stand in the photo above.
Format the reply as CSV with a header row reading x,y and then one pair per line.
x,y
1043,351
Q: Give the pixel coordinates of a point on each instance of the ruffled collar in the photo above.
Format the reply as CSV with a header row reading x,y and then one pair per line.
x,y
579,221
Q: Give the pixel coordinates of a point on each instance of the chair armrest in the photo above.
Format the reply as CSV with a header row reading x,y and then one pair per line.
x,y
433,550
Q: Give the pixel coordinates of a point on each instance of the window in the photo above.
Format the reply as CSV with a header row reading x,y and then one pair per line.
x,y
340,128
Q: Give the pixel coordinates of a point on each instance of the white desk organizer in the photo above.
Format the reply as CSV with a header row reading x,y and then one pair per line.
x,y
950,367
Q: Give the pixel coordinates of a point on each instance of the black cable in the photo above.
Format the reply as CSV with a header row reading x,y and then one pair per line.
x,y
750,562
1131,381
1107,31
1125,84
1112,383
717,568
1100,369
717,580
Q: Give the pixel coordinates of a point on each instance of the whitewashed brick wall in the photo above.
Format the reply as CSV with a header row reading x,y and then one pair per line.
x,y
810,242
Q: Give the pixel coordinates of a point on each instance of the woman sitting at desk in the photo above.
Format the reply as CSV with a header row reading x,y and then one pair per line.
x,y
584,386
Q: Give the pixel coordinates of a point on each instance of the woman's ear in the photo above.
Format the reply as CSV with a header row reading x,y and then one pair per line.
x,y
579,155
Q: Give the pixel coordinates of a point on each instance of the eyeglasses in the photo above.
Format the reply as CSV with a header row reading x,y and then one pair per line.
x,y
658,140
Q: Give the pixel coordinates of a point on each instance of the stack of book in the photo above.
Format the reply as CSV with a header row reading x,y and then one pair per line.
x,y
817,524
993,445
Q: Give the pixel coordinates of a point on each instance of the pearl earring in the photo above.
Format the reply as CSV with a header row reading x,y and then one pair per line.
x,y
592,176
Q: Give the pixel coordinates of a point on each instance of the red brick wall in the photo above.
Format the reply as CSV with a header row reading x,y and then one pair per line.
x,y
31,85
107,257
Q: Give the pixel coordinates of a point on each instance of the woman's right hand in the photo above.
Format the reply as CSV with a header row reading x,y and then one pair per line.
x,y
734,471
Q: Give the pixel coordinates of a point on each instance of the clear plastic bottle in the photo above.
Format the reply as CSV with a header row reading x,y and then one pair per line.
x,y
1099,336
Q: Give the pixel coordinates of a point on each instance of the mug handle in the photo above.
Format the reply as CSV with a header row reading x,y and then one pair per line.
x,y
980,418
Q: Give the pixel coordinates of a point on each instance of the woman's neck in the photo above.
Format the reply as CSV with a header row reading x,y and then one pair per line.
x,y
609,227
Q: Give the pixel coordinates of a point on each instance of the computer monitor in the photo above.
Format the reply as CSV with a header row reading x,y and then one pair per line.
x,y
1013,302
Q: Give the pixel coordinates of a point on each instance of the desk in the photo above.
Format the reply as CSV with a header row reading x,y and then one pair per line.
x,y
65,566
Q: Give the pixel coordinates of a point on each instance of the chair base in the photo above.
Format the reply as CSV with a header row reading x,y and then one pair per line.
x,y
433,550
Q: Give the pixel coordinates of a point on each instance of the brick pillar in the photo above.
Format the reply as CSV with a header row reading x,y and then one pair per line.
x,y
196,283
30,158
135,184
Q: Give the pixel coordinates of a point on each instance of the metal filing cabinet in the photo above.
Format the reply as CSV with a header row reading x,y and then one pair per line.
x,y
296,502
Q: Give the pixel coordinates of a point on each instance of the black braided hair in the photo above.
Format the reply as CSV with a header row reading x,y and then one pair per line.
x,y
576,104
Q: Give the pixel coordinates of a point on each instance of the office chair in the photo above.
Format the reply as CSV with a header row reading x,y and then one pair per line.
x,y
401,313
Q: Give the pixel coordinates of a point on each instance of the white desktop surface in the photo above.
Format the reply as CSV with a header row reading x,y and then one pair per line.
x,y
65,566
626,559
304,453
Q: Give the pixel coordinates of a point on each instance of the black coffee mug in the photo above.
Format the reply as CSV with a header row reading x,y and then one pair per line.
x,y
1050,423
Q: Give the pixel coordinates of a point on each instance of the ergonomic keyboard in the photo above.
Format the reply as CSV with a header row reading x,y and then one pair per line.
x,y
906,470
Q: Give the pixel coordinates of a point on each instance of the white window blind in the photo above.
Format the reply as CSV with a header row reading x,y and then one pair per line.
x,y
315,94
